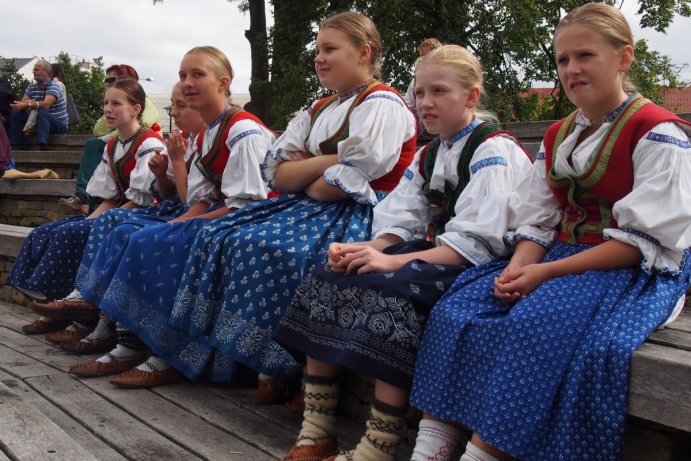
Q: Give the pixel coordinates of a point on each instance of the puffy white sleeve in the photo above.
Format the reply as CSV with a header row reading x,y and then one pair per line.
x,y
102,183
534,212
142,178
242,182
292,139
405,211
482,209
378,128
656,215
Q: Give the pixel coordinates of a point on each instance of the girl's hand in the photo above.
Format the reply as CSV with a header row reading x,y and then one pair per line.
x,y
336,253
516,283
158,163
296,155
364,259
176,145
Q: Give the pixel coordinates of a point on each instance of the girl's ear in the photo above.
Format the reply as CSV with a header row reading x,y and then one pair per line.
x,y
626,58
224,83
137,108
365,53
473,97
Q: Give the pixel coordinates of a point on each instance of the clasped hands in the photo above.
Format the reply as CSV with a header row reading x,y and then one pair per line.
x,y
516,281
360,258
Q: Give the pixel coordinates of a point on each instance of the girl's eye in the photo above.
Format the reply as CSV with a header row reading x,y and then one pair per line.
x,y
197,74
562,61
182,76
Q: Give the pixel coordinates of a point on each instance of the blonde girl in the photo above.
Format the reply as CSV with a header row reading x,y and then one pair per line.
x,y
532,354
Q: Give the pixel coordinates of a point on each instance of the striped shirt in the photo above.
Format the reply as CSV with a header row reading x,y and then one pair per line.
x,y
38,93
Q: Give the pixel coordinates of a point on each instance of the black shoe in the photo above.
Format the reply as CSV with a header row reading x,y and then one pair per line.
x,y
73,203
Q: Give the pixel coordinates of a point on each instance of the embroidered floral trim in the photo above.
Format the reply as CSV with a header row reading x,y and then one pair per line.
x,y
511,240
540,155
408,174
351,93
463,132
218,119
665,138
384,96
641,234
244,134
357,196
489,161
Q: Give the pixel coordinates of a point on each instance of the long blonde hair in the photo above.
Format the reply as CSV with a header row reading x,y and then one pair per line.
x,y
608,22
468,70
361,31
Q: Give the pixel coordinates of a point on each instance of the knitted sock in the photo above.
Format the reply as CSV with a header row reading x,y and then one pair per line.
x,y
102,331
119,353
45,319
383,434
129,339
473,453
153,363
74,294
436,441
319,417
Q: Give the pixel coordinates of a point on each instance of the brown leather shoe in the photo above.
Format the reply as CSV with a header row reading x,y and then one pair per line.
x,y
94,368
269,391
67,336
39,326
84,346
312,452
75,309
136,378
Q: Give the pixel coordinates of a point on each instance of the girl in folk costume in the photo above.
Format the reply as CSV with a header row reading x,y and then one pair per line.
x,y
105,241
532,354
366,309
143,275
49,259
333,163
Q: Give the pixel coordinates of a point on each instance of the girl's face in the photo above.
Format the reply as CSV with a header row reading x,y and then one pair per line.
x,y
339,64
119,112
591,70
443,104
186,118
200,86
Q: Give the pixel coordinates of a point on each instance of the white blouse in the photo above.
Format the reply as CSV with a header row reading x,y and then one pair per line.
x,y
241,183
102,183
655,216
476,232
378,128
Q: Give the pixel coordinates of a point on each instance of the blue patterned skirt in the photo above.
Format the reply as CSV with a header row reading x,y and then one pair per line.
x,y
546,378
106,243
370,323
48,260
242,270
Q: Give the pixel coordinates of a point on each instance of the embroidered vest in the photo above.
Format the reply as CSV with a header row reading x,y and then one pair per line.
x,y
442,204
123,167
212,164
588,199
330,146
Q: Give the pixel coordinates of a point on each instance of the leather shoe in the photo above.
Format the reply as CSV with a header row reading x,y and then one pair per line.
x,y
94,368
136,378
269,390
85,346
39,326
73,309
71,203
67,336
312,452
296,405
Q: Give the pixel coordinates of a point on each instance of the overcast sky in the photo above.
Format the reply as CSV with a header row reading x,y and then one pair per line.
x,y
153,39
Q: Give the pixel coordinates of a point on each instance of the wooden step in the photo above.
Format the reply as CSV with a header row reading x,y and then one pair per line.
x,y
38,187
12,238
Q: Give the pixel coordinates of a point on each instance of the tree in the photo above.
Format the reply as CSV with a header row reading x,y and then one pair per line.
x,y
86,87
512,39
17,81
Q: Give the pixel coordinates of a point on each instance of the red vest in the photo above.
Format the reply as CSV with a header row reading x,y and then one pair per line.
x,y
389,181
214,161
122,168
588,199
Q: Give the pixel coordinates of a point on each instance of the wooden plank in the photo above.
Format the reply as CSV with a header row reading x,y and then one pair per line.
x,y
28,434
129,436
660,386
165,417
38,187
21,366
241,423
46,158
76,431
683,322
671,338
